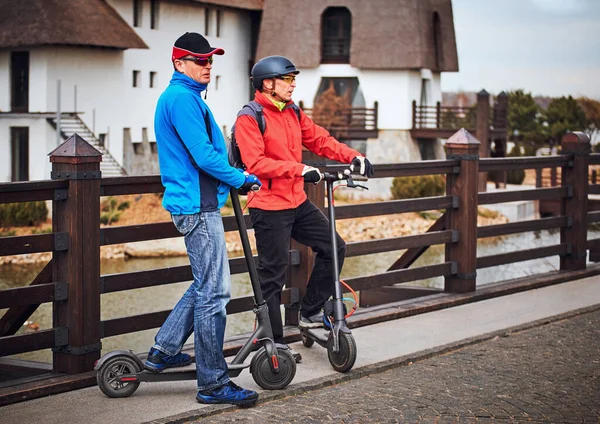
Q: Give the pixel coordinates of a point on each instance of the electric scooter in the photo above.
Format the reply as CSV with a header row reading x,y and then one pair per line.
x,y
120,372
339,342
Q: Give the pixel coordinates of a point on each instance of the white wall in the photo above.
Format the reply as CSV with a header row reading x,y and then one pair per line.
x,y
174,20
393,90
40,144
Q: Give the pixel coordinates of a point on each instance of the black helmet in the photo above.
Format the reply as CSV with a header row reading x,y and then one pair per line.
x,y
271,67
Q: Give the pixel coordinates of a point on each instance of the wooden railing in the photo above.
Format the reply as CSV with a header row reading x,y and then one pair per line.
x,y
441,121
72,282
350,123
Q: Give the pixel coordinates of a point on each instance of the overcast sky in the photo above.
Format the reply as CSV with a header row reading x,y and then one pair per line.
x,y
547,47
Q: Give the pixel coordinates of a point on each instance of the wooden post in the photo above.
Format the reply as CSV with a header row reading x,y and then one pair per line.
x,y
438,114
375,115
575,207
414,111
500,122
482,132
463,185
77,213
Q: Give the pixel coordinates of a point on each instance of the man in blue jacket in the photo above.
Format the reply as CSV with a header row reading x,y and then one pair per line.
x,y
196,174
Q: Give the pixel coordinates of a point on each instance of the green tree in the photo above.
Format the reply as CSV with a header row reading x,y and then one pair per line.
x,y
564,114
524,125
591,109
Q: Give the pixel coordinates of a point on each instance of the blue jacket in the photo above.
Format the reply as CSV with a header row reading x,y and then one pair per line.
x,y
195,171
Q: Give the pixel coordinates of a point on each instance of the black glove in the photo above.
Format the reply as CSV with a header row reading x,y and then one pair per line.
x,y
250,184
311,174
362,165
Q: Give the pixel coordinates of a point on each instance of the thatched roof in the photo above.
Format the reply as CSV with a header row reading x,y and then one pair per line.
x,y
386,34
25,23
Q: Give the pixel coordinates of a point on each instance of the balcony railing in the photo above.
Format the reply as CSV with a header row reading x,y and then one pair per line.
x,y
352,123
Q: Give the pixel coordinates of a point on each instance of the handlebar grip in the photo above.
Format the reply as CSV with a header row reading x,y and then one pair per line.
x,y
255,187
358,177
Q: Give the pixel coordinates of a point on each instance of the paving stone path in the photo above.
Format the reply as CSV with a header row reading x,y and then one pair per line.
x,y
546,374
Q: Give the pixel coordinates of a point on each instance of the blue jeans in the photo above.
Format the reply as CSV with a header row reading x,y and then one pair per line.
x,y
201,309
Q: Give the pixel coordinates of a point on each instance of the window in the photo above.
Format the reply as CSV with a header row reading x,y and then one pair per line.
x,y
152,79
154,14
19,153
207,20
219,14
437,41
136,78
137,13
336,30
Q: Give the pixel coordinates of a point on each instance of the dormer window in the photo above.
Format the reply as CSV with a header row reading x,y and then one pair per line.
x,y
335,35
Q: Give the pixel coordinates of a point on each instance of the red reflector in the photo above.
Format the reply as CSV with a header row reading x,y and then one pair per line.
x,y
254,341
128,379
275,361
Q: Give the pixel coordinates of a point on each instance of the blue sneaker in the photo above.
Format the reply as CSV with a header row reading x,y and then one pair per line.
x,y
228,393
158,361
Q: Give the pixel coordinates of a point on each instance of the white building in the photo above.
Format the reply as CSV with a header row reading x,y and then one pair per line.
x,y
112,59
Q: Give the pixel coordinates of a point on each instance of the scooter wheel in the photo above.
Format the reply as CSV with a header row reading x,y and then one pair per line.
x,y
306,340
343,360
263,375
113,368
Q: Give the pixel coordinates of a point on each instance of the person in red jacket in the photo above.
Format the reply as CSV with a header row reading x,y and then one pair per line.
x,y
281,209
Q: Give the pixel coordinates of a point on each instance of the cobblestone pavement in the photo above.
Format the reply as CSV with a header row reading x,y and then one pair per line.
x,y
547,374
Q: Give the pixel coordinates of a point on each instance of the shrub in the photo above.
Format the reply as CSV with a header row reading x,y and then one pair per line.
x,y
418,186
23,214
111,210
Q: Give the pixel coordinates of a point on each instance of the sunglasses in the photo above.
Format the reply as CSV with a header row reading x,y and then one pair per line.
x,y
201,61
287,78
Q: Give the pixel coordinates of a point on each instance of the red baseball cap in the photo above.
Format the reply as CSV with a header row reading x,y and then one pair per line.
x,y
192,43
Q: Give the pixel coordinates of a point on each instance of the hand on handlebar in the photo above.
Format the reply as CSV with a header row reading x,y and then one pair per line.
x,y
361,165
251,183
311,174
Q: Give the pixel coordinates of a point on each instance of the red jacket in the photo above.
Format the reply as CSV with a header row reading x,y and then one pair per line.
x,y
276,157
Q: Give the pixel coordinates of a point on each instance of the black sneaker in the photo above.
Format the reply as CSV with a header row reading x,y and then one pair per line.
x,y
228,393
313,321
158,361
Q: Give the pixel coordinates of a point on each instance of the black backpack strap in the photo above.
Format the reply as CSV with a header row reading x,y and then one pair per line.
x,y
297,110
255,110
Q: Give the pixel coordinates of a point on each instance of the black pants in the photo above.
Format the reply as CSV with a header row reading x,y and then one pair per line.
x,y
307,225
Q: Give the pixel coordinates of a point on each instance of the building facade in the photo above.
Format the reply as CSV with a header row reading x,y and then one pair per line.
x,y
103,64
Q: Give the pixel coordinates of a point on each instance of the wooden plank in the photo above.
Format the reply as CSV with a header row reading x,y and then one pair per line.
x,y
29,191
383,295
398,243
14,318
538,162
519,195
133,233
118,186
593,217
522,226
32,295
521,255
400,276
411,255
19,245
393,207
12,345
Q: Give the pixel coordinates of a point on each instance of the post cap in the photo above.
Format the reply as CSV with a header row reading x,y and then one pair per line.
x,y
462,139
75,150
